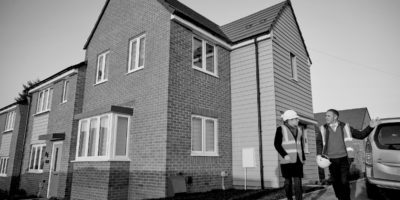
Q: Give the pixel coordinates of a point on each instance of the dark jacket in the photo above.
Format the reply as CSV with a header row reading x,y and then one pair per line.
x,y
354,133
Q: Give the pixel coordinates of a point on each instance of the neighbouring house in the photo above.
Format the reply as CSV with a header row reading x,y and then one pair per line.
x,y
12,134
358,118
49,143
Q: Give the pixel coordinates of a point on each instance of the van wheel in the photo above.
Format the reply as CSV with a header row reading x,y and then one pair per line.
x,y
372,190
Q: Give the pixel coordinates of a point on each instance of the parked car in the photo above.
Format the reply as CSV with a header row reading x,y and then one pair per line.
x,y
382,157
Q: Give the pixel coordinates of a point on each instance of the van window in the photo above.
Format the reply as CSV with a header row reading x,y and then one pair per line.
x,y
388,136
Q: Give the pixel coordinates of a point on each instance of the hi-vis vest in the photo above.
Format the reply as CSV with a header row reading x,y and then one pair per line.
x,y
291,145
347,139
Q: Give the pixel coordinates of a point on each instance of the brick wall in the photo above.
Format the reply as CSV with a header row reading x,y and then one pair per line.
x,y
16,150
145,90
195,92
111,180
61,121
29,181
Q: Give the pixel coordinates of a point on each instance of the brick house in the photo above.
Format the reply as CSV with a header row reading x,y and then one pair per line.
x,y
158,109
358,118
12,129
49,144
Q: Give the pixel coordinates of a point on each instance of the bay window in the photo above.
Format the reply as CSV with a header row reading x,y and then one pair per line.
x,y
103,137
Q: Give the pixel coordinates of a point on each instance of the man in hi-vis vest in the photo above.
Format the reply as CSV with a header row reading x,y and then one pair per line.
x,y
289,144
334,140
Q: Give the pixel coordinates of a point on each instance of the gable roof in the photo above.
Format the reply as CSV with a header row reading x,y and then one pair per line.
x,y
235,32
178,8
81,64
7,107
258,23
355,117
96,24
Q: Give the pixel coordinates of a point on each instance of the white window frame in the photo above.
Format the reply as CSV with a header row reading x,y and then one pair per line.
x,y
137,54
45,95
111,139
204,57
33,170
293,67
10,120
64,97
3,165
104,76
203,152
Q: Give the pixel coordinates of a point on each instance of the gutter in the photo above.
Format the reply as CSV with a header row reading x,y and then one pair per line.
x,y
259,114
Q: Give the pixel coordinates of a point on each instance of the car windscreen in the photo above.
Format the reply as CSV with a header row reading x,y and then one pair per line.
x,y
388,136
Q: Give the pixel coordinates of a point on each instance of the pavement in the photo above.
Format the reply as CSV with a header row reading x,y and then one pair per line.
x,y
358,192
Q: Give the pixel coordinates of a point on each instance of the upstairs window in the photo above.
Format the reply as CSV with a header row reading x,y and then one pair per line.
x,y
3,166
102,68
103,137
136,53
36,160
204,56
293,66
10,119
204,136
44,100
64,96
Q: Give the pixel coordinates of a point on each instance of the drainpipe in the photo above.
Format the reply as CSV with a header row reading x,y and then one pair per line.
x,y
260,148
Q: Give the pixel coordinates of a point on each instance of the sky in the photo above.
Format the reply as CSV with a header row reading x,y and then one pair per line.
x,y
354,45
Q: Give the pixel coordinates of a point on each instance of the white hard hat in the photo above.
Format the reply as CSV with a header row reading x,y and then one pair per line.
x,y
289,114
323,161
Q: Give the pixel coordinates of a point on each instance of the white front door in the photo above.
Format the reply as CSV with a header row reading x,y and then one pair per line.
x,y
55,169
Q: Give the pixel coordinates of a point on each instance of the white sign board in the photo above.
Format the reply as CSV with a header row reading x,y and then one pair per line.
x,y
248,157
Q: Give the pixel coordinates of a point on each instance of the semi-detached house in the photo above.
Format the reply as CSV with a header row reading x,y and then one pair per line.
x,y
169,96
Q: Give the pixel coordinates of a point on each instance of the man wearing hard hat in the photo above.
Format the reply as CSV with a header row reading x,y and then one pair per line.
x,y
334,149
289,144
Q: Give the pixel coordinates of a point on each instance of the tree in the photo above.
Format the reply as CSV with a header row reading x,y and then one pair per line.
x,y
23,96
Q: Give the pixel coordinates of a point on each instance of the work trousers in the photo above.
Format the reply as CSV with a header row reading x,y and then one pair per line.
x,y
340,169
298,191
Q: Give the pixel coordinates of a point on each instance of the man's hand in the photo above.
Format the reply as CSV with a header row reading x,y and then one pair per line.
x,y
375,122
287,158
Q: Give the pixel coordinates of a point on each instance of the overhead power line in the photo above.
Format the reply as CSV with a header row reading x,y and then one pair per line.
x,y
396,75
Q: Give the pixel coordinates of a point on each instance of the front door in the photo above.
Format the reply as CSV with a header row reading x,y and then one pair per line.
x,y
55,169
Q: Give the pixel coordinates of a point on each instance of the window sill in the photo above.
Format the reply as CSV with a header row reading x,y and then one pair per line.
x,y
205,71
204,154
8,131
35,172
3,175
41,113
294,80
64,102
134,70
101,160
100,82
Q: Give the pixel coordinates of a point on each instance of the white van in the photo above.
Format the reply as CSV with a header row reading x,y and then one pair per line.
x,y
382,157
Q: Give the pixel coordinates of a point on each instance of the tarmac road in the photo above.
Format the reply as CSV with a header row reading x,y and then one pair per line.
x,y
358,192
